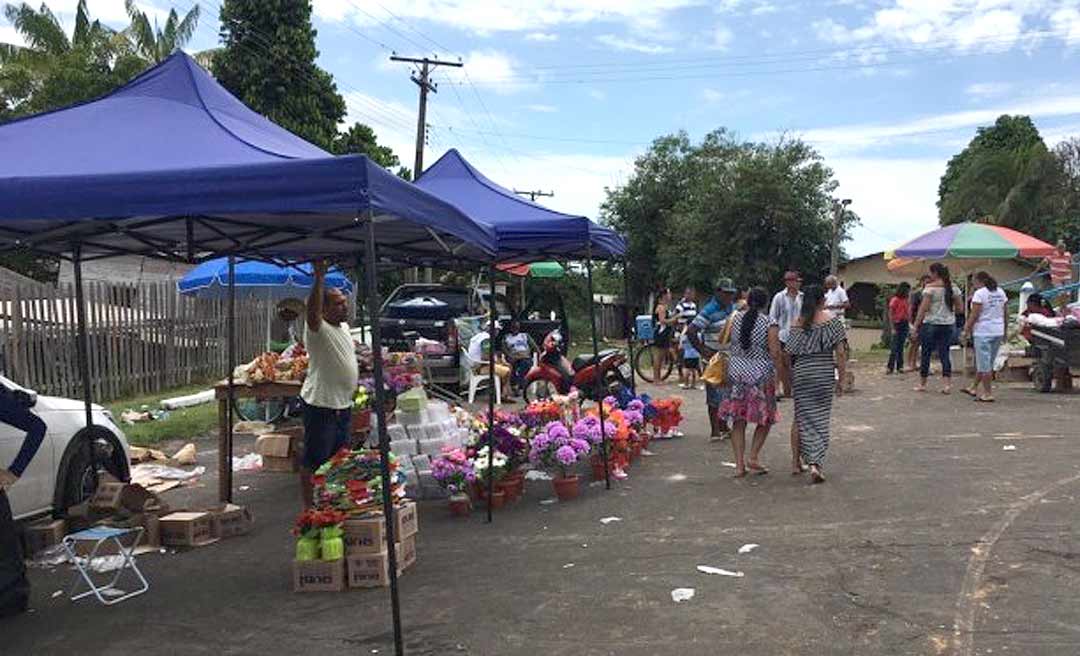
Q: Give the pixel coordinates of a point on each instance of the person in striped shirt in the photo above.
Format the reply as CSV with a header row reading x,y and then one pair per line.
x,y
1060,265
685,311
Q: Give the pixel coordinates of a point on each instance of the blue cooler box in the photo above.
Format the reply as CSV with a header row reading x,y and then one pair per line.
x,y
643,324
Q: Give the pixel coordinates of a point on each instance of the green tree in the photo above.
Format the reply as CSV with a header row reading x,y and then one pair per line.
x,y
1065,219
1007,158
153,43
360,139
268,62
53,70
724,207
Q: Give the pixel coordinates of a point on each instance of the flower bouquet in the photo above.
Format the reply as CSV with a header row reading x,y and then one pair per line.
x,y
668,416
499,464
319,535
351,481
555,449
455,472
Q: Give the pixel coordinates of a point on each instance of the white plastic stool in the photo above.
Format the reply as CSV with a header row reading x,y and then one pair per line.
x,y
99,536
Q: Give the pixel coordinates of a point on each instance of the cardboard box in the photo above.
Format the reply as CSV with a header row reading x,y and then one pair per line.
x,y
275,464
231,520
368,535
277,445
318,576
187,529
373,570
114,495
42,535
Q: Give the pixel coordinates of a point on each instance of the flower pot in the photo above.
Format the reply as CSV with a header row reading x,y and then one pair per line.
x,y
566,488
479,490
599,472
511,489
361,420
635,451
497,500
460,506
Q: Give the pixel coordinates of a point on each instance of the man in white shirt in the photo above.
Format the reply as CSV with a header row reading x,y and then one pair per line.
x,y
331,378
783,311
479,348
836,299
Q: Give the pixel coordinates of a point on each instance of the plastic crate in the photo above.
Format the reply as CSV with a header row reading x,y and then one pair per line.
x,y
643,325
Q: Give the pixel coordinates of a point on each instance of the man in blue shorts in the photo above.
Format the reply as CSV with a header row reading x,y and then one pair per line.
x,y
704,334
331,378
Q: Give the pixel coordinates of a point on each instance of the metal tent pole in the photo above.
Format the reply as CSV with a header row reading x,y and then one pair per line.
x,y
491,389
380,417
231,349
629,327
598,384
84,339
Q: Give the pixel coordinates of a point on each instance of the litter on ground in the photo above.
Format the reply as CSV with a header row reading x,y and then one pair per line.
x,y
1009,447
705,569
747,548
608,520
250,462
682,594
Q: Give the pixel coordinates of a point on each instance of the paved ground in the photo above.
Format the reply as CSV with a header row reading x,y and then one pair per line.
x,y
929,538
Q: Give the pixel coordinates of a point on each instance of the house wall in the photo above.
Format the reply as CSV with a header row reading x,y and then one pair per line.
x,y
126,269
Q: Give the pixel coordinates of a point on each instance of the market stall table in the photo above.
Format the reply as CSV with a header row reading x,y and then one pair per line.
x,y
262,392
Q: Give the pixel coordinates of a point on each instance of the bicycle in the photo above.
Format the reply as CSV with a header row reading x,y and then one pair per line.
x,y
644,356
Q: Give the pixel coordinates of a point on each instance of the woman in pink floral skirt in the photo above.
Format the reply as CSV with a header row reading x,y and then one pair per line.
x,y
755,348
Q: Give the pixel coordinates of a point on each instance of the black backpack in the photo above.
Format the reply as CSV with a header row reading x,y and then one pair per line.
x,y
14,586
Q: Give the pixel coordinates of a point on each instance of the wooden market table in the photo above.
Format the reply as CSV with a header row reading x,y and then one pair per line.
x,y
261,392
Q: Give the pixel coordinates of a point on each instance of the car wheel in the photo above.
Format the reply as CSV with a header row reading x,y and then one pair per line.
x,y
79,476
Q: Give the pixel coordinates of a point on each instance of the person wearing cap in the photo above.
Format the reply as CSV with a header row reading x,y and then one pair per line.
x,y
704,333
783,311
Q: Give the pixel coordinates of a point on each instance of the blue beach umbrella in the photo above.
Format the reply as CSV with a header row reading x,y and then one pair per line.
x,y
256,279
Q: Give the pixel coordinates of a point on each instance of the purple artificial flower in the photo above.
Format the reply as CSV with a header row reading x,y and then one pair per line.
x,y
636,405
556,431
579,445
566,456
612,401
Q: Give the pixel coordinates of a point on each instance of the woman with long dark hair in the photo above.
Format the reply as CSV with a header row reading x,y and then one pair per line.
x,y
899,313
987,325
941,303
755,348
817,346
665,329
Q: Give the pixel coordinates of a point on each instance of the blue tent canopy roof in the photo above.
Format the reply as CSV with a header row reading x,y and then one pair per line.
x,y
523,230
172,165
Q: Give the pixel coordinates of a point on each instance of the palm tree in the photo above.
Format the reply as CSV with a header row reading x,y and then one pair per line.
x,y
154,44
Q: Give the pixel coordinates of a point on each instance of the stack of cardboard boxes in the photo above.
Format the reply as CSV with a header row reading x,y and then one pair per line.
x,y
280,450
367,558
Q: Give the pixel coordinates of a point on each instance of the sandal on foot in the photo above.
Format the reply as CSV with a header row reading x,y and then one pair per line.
x,y
816,477
969,392
984,399
757,469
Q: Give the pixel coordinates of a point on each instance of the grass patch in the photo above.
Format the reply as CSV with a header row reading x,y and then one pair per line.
x,y
183,424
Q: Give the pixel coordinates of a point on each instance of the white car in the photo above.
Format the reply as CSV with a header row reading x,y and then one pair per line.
x,y
64,472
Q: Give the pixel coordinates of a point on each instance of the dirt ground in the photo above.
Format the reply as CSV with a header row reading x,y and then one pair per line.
x,y
931,537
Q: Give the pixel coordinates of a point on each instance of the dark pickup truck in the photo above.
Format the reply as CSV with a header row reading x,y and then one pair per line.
x,y
428,310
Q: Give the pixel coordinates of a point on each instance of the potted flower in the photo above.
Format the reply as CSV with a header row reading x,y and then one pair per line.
x,y
455,472
493,476
320,535
556,450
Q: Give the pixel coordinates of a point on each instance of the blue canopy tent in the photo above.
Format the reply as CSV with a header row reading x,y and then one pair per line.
x,y
172,166
524,231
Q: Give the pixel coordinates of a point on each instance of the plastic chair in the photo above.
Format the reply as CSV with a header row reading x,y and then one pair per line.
x,y
477,381
99,536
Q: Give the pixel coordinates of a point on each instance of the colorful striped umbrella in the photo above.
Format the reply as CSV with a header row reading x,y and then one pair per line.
x,y
972,241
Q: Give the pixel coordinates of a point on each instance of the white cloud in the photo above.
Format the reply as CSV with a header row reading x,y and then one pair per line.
x,y
983,90
503,15
721,38
493,69
962,25
8,34
542,109
712,95
853,138
541,36
764,9
895,198
619,43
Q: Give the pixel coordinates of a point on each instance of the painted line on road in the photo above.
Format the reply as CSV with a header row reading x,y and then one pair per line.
x,y
966,604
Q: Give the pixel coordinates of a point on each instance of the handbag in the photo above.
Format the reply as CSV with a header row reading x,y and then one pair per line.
x,y
716,372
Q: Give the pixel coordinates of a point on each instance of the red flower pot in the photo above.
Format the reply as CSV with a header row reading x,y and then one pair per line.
x,y
497,500
598,471
635,451
460,506
509,489
479,490
566,489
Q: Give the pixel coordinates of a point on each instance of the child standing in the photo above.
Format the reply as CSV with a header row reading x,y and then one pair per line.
x,y
691,361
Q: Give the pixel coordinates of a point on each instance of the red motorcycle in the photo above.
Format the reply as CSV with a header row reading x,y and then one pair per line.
x,y
550,375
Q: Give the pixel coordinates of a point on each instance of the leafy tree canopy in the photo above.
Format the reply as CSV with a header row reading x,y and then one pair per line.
x,y
724,207
268,62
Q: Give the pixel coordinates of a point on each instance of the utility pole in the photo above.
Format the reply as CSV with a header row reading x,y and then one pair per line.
x,y
839,206
422,78
533,195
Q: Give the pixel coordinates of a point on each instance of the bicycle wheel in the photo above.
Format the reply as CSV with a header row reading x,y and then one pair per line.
x,y
643,363
269,410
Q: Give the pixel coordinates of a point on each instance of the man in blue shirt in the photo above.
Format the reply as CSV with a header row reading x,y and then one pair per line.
x,y
704,333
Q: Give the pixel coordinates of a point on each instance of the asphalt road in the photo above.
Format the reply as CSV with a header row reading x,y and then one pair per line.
x,y
929,538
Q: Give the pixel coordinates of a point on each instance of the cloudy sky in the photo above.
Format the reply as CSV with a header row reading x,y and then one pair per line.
x,y
561,95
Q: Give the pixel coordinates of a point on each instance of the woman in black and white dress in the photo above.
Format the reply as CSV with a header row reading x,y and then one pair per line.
x,y
817,347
